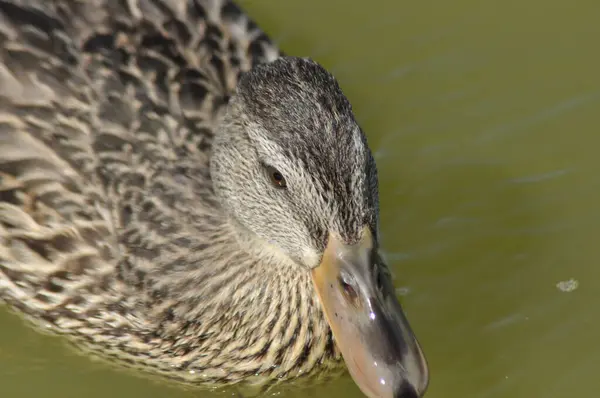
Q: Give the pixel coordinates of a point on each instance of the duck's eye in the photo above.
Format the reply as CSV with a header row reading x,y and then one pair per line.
x,y
276,177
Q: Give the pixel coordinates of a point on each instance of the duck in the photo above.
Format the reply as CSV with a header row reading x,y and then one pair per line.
x,y
180,196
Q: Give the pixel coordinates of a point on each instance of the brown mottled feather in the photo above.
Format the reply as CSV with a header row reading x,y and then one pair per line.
x,y
107,113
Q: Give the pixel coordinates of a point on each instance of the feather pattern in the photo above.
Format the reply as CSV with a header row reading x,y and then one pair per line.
x,y
108,110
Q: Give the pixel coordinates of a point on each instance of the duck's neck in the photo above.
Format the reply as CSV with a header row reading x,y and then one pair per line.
x,y
230,311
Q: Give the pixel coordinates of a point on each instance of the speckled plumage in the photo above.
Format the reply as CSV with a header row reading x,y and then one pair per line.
x,y
111,230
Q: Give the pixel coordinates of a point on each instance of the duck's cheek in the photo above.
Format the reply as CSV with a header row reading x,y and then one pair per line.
x,y
376,341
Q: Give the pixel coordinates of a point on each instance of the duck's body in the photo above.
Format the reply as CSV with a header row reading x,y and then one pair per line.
x,y
112,229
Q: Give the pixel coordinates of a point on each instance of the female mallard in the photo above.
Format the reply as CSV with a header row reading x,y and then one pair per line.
x,y
159,221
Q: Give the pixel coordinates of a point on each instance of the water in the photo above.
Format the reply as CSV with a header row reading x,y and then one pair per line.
x,y
483,117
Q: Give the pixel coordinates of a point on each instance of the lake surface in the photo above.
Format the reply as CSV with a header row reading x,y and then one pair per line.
x,y
485,120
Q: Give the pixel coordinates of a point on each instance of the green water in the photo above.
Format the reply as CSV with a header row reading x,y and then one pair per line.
x,y
485,119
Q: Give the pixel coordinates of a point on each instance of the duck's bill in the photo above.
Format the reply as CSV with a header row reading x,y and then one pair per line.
x,y
368,324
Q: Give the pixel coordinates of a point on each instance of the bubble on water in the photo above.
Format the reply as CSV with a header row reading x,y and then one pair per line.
x,y
568,285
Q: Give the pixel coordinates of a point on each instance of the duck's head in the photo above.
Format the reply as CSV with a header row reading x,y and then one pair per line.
x,y
291,166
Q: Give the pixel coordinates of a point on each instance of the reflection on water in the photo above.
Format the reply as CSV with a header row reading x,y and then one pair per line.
x,y
483,117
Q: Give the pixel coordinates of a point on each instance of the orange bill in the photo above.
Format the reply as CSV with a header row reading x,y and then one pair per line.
x,y
368,324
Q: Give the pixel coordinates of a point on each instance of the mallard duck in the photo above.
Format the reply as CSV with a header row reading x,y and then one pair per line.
x,y
178,195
